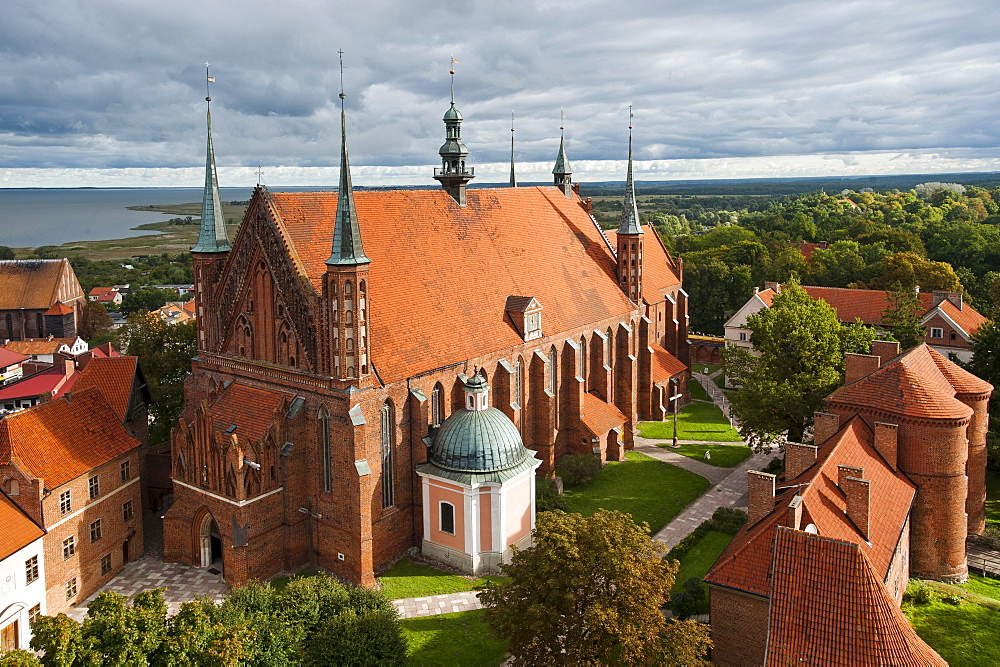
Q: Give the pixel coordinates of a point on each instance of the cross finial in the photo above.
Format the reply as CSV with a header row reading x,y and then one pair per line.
x,y
562,120
630,118
340,52
511,120
260,174
452,72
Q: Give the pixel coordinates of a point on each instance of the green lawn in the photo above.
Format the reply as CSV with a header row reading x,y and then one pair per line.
x,y
964,634
699,559
984,586
698,421
724,456
993,497
649,490
453,639
407,579
698,392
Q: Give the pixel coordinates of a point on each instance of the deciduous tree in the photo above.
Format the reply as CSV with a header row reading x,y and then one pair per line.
x,y
903,316
589,592
800,349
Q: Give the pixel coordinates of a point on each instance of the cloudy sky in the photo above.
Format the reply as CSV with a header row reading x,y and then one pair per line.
x,y
105,92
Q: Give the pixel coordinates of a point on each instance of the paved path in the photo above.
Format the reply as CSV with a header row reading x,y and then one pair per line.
x,y
437,604
183,584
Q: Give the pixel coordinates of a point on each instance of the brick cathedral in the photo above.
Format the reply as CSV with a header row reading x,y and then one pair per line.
x,y
338,330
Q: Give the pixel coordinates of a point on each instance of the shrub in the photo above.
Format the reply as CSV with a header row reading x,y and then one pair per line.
x,y
918,593
684,603
547,498
371,637
724,519
775,467
576,469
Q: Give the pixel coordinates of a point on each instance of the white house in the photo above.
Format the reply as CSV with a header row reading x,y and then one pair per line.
x,y
22,572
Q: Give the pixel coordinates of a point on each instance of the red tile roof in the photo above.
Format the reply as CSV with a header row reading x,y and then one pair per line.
x,y
10,358
665,365
968,318
39,345
746,563
30,283
59,308
97,291
830,607
962,380
67,437
600,416
40,384
18,529
113,376
912,384
251,410
504,242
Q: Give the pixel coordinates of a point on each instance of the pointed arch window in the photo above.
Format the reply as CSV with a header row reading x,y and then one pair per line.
x,y
348,289
552,369
583,359
10,326
519,383
437,405
388,425
324,441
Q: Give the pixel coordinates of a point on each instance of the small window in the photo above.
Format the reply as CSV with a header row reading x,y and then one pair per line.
x,y
95,530
31,569
13,487
743,335
69,547
448,518
126,470
66,502
94,486
937,332
105,563
127,510
34,613
71,589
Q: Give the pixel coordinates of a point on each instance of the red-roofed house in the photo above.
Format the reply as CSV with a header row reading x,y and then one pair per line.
x,y
75,471
39,297
105,295
336,333
892,487
950,322
10,365
36,388
22,573
46,350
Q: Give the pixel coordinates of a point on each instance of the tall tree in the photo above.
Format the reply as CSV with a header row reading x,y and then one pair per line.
x,y
95,320
589,592
799,360
903,316
165,352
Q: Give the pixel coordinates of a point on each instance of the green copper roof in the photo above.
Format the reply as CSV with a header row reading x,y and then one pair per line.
x,y
562,162
497,477
212,237
347,248
630,213
452,113
478,441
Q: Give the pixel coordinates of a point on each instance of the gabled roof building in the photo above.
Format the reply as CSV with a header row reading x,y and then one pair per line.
x,y
891,488
38,298
336,333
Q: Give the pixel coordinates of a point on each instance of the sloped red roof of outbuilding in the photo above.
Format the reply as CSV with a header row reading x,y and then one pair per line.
x,y
113,376
440,274
830,607
600,416
250,409
64,438
18,529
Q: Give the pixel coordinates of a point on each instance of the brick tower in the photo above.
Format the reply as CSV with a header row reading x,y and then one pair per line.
x,y
630,236
562,173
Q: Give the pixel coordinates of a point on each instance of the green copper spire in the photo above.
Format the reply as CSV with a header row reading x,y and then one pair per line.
x,y
562,174
513,179
347,249
212,237
453,174
630,212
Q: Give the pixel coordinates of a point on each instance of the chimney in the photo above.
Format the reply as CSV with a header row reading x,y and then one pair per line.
x,y
773,285
756,290
825,425
798,458
885,350
885,442
858,492
857,366
68,367
588,205
760,495
843,472
794,519
954,297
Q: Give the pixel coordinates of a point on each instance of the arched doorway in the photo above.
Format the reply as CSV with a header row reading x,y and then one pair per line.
x,y
211,543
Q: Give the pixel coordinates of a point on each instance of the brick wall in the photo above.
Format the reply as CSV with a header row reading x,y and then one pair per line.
x,y
739,627
115,532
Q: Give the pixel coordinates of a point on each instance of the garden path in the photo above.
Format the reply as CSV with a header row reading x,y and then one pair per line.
x,y
437,604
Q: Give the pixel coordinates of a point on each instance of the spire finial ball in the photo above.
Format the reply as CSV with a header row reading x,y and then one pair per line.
x,y
208,99
343,96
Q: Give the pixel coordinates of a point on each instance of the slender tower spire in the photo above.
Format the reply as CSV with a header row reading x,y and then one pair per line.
x,y
453,174
212,237
513,179
629,237
630,212
347,248
562,174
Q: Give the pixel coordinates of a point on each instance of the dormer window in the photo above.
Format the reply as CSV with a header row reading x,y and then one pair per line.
x,y
526,313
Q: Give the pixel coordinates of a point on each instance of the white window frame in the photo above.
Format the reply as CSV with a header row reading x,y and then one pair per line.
x,y
65,502
441,517
937,332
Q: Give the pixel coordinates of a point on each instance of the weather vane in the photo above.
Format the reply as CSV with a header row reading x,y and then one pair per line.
x,y
340,52
260,174
452,72
208,81
630,119
512,120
